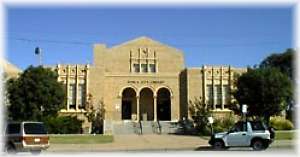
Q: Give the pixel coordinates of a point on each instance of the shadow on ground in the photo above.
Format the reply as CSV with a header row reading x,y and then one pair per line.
x,y
209,148
184,134
204,148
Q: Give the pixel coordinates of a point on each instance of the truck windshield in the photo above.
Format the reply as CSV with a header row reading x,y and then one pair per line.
x,y
258,126
34,128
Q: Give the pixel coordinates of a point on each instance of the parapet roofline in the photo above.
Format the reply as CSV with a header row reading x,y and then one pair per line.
x,y
140,39
211,66
9,67
65,64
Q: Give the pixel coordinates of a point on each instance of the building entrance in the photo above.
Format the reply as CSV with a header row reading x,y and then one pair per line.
x,y
146,103
146,106
163,105
126,109
128,103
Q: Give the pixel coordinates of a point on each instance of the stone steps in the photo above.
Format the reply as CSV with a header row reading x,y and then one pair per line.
x,y
148,127
168,127
123,127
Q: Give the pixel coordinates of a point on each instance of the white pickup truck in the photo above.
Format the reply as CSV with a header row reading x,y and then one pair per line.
x,y
253,134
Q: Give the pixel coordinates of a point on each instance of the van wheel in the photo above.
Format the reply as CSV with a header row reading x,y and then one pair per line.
x,y
9,148
258,145
219,145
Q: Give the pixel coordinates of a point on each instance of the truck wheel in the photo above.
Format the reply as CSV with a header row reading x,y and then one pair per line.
x,y
266,145
258,145
219,145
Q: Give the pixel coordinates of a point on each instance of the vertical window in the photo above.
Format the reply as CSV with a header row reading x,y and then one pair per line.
x,y
72,96
152,68
209,94
81,96
142,61
136,68
144,68
226,95
219,94
215,93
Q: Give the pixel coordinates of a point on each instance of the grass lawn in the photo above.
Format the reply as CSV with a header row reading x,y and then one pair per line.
x,y
279,135
80,139
284,135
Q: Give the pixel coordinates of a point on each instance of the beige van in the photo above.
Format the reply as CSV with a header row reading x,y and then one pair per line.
x,y
26,136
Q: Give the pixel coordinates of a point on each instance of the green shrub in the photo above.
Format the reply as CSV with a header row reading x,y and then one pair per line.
x,y
63,125
217,125
223,124
280,123
200,112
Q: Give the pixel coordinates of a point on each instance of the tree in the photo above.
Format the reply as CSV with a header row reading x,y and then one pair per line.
x,y
264,90
63,125
283,61
200,112
95,114
35,94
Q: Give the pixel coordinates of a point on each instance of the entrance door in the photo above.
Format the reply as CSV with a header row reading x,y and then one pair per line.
x,y
146,104
164,104
126,109
164,110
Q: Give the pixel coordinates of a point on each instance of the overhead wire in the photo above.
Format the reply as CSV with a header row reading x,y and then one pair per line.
x,y
237,44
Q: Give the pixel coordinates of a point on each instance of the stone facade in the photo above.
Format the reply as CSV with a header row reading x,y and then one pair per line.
x,y
9,71
212,85
144,80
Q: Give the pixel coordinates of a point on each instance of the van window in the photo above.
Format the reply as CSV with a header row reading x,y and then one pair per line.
x,y
34,128
13,128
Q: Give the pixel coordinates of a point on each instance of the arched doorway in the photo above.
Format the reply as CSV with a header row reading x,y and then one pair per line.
x,y
146,104
128,103
163,104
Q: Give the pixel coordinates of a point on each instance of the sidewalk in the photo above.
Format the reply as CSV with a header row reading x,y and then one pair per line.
x,y
136,142
152,142
283,143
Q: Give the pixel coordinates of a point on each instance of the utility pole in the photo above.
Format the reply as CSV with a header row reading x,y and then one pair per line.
x,y
244,112
211,121
38,51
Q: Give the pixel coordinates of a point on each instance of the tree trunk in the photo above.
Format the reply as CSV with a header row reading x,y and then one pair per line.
x,y
267,119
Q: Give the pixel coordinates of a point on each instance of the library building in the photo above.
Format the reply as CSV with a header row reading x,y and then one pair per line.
x,y
142,84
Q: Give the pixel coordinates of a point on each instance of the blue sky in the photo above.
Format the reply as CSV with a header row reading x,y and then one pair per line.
x,y
207,35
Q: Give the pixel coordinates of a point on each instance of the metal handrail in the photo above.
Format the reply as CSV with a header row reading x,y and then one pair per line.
x,y
141,127
138,129
156,127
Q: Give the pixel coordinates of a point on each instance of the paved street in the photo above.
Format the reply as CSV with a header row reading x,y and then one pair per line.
x,y
155,143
